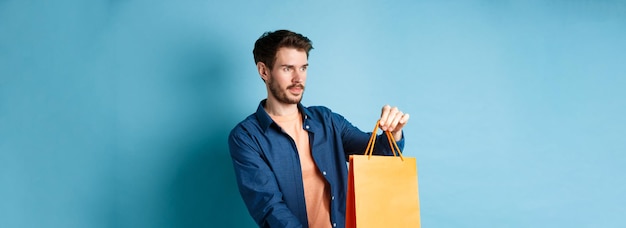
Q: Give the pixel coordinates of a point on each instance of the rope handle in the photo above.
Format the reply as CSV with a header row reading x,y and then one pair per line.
x,y
392,143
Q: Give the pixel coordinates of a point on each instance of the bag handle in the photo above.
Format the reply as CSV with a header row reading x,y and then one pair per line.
x,y
392,142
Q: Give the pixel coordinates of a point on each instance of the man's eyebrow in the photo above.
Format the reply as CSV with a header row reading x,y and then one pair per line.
x,y
292,66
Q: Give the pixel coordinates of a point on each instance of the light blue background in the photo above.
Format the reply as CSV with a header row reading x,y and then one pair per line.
x,y
115,113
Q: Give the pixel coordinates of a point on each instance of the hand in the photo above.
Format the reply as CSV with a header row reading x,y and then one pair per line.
x,y
393,120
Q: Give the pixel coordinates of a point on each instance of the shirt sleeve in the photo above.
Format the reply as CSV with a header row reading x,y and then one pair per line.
x,y
257,184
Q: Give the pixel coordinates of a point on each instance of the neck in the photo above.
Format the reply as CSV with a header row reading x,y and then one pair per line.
x,y
276,108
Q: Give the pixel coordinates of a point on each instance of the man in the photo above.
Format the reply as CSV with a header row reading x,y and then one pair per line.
x,y
290,160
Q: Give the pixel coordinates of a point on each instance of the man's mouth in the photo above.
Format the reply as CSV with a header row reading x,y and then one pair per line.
x,y
296,88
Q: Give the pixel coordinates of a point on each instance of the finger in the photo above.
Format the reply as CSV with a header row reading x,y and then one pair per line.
x,y
403,120
395,121
389,121
384,114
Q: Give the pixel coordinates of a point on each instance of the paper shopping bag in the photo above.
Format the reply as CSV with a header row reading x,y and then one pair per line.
x,y
382,190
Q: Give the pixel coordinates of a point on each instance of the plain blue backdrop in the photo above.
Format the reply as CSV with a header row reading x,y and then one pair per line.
x,y
116,113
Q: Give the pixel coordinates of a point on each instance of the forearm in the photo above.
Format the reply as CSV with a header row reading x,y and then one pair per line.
x,y
397,135
264,200
383,147
279,217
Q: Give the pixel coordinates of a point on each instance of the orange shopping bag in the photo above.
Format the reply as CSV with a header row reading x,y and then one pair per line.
x,y
382,190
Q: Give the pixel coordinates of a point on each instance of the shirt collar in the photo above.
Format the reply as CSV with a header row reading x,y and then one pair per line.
x,y
265,120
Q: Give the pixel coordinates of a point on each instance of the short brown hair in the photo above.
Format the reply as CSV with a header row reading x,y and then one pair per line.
x,y
267,45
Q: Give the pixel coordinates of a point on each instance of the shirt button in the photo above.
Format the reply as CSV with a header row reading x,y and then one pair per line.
x,y
307,126
324,173
332,198
334,224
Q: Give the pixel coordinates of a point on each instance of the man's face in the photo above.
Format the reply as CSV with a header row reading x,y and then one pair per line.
x,y
288,76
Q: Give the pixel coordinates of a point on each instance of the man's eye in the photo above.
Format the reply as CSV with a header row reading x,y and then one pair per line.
x,y
287,69
302,68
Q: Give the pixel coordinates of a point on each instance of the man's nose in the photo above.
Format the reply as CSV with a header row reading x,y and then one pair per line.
x,y
297,77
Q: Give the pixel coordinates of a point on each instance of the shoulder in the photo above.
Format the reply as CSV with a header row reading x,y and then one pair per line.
x,y
246,127
324,114
318,109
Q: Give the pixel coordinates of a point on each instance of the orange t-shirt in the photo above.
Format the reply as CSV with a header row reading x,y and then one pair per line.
x,y
315,187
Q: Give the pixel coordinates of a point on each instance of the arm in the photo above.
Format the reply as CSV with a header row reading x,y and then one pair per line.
x,y
355,140
258,186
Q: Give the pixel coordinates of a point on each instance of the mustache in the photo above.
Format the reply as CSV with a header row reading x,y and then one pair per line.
x,y
296,86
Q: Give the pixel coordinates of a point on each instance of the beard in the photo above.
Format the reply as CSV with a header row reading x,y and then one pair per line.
x,y
282,95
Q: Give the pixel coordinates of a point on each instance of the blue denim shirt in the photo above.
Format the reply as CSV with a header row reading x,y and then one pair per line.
x,y
267,164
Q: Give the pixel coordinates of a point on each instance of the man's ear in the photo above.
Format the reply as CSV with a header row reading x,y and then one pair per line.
x,y
263,70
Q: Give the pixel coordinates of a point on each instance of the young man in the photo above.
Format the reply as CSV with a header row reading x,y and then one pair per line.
x,y
290,160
